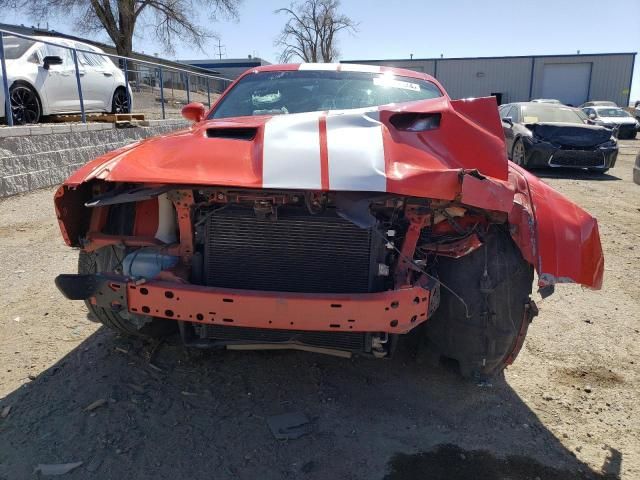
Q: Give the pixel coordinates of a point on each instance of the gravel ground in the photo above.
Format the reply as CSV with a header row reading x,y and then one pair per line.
x,y
567,409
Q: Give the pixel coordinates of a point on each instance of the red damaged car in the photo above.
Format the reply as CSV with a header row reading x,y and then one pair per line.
x,y
330,208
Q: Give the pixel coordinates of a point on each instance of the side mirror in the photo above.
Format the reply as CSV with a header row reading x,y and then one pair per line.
x,y
508,120
194,111
592,116
51,60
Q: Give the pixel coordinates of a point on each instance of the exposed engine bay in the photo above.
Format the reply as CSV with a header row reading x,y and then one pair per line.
x,y
293,242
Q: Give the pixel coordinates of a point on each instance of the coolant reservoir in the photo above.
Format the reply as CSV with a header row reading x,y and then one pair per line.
x,y
147,263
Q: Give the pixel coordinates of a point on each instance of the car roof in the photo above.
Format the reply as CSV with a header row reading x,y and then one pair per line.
x,y
67,41
344,67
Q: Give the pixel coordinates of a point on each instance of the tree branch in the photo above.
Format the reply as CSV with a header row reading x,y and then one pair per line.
x,y
310,31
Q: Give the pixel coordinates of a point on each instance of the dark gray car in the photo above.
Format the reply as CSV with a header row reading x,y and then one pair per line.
x,y
547,135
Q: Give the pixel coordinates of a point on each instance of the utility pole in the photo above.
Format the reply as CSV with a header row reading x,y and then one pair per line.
x,y
220,47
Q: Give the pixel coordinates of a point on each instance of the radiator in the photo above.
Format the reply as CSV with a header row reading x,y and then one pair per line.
x,y
298,252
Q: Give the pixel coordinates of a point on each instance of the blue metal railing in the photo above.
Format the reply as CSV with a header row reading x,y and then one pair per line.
x,y
127,63
5,84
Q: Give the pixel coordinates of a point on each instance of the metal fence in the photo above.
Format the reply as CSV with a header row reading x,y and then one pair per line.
x,y
149,82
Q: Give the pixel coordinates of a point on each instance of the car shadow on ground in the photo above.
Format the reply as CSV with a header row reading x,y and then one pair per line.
x,y
573,174
164,412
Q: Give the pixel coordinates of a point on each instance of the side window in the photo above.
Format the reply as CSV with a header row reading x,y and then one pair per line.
x,y
63,53
86,59
36,56
508,109
89,59
515,114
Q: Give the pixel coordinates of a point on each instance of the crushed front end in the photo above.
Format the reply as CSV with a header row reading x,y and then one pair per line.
x,y
328,271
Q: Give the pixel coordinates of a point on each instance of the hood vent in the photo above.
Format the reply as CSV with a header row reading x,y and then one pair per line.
x,y
232,133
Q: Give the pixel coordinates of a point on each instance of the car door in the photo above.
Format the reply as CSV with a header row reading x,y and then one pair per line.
x,y
507,127
58,82
97,80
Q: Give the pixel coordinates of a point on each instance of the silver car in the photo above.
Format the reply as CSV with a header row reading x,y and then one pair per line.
x,y
615,118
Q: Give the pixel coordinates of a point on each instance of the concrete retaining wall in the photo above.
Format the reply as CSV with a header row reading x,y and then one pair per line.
x,y
40,156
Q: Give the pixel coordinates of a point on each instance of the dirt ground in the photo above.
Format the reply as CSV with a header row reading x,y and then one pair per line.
x,y
147,101
567,409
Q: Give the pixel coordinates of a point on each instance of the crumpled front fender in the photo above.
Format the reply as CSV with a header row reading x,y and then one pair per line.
x,y
555,235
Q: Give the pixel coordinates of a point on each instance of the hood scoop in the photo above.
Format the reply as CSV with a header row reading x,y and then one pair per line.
x,y
233,133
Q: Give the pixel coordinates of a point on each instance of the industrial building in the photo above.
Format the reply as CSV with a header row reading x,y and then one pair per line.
x,y
230,68
572,79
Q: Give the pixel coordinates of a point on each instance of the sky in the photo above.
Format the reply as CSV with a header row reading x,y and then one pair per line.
x,y
426,28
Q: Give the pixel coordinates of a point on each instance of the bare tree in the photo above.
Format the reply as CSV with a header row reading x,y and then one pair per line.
x,y
311,30
121,19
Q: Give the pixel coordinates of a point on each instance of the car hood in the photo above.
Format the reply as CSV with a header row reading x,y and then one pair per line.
x,y
570,134
349,150
618,120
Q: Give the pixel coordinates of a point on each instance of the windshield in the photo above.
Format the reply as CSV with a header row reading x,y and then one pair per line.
x,y
14,47
612,112
541,113
275,93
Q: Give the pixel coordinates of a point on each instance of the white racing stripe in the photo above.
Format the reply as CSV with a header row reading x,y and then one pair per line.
x,y
319,66
356,151
291,152
350,67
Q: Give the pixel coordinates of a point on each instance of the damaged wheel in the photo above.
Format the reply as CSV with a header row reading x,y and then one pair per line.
x,y
108,259
484,329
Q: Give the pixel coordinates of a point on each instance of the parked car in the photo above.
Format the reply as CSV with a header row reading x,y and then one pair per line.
x,y
599,103
330,208
42,80
547,100
539,135
622,121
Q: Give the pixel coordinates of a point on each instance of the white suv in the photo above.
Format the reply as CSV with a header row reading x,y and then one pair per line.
x,y
42,80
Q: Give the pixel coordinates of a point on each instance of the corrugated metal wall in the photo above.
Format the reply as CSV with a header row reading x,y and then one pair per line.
x,y
520,78
481,78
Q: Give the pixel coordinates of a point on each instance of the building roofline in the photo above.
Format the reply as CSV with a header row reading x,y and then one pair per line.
x,y
489,58
43,32
208,65
223,60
